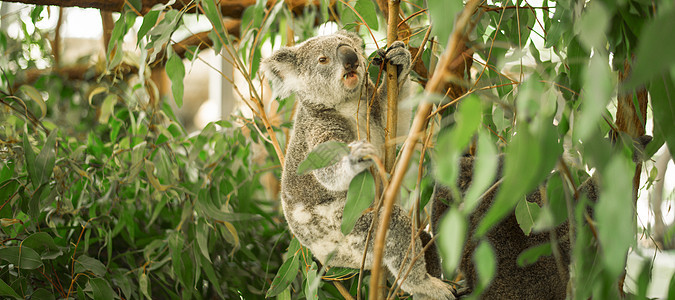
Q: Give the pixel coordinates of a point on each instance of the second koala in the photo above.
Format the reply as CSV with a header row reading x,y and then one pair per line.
x,y
328,76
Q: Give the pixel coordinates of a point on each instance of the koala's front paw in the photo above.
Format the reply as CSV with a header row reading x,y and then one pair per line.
x,y
397,54
361,154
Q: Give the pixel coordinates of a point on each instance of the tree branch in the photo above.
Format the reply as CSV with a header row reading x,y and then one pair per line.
x,y
228,8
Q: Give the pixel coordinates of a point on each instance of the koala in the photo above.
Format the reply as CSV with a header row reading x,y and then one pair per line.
x,y
328,76
544,279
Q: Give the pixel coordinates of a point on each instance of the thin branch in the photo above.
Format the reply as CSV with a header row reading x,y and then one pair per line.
x,y
392,91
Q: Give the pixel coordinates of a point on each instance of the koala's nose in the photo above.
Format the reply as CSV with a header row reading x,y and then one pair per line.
x,y
348,57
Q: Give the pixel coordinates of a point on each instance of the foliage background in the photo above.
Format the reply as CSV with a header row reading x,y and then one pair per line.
x,y
103,193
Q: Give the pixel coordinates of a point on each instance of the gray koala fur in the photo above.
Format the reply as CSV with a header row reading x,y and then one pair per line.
x,y
540,280
328,76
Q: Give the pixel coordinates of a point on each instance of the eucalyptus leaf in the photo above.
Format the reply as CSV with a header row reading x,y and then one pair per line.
x,y
532,254
287,273
453,227
21,257
360,195
323,155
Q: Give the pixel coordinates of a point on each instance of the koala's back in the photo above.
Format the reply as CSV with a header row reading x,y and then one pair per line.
x,y
540,280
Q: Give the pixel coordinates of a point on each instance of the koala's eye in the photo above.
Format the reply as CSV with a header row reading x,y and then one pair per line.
x,y
323,60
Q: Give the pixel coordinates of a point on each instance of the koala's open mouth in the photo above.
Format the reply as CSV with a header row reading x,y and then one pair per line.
x,y
351,79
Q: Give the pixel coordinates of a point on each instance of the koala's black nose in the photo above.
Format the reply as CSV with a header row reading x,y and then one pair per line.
x,y
348,57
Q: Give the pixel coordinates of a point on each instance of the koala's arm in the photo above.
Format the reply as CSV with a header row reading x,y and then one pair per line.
x,y
337,177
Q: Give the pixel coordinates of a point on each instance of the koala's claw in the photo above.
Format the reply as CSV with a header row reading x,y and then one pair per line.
x,y
396,54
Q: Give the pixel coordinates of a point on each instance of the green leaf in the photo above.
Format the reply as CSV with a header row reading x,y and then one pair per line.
x,y
451,242
654,53
597,92
86,263
662,91
144,285
323,155
615,216
202,238
101,289
149,20
107,108
21,257
486,265
34,94
526,213
452,144
176,244
42,294
366,8
485,169
44,244
532,254
442,14
6,290
176,72
40,167
284,277
671,291
593,25
360,195
312,283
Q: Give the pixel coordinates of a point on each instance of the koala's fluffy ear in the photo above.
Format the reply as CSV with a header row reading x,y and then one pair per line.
x,y
355,37
282,69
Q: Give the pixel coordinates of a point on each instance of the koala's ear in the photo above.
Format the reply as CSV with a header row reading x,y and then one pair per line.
x,y
353,36
282,69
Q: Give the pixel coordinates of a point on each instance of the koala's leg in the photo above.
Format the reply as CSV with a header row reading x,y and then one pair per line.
x,y
417,282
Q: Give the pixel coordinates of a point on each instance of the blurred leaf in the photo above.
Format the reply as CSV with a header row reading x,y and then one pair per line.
x,y
21,257
96,91
532,254
284,277
360,195
485,170
593,26
323,155
654,53
144,285
312,283
453,143
101,289
366,9
525,167
442,14
597,92
107,108
526,213
662,91
176,72
486,265
451,242
615,215
86,263
34,94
